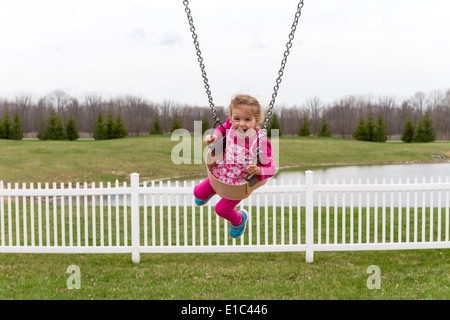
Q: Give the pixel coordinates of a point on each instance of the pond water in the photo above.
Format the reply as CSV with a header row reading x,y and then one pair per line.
x,y
400,173
364,172
395,171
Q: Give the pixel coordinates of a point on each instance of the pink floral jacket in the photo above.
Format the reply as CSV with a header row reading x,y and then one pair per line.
x,y
239,153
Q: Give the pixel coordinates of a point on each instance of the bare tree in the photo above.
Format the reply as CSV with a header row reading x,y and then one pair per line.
x,y
313,106
439,112
59,100
93,104
137,113
418,102
23,102
385,107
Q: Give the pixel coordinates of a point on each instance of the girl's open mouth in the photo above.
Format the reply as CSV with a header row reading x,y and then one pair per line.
x,y
245,132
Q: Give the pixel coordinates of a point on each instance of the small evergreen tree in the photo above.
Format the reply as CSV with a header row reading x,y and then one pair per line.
x,y
175,123
71,129
57,132
408,131
425,131
304,130
360,132
324,130
274,124
17,128
53,128
111,129
41,130
380,133
156,126
370,128
205,124
2,133
6,126
99,131
109,126
119,130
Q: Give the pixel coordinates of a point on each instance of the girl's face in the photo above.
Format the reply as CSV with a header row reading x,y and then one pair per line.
x,y
242,118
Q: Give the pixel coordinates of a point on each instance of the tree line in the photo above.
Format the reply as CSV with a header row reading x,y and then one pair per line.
x,y
139,116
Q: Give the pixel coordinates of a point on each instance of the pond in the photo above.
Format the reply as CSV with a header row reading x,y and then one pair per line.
x,y
339,172
429,172
395,171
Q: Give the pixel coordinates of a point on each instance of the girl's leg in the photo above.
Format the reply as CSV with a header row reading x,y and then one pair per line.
x,y
226,209
204,190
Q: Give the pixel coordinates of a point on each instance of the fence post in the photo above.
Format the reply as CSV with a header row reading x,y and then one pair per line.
x,y
309,216
135,230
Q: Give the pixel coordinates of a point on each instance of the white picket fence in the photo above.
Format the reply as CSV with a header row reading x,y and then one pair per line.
x,y
154,217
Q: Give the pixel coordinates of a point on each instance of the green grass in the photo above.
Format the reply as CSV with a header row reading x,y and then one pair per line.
x,y
414,274
150,156
309,151
419,274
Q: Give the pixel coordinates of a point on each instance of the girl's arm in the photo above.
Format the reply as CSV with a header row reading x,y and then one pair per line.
x,y
267,164
218,132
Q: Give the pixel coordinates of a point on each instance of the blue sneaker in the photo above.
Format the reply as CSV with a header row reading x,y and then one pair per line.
x,y
237,231
202,202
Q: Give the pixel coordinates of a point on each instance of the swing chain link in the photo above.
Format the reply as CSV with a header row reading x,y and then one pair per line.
x,y
200,61
298,13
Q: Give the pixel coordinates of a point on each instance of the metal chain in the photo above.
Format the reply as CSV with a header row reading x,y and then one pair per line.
x,y
298,13
200,61
283,62
278,80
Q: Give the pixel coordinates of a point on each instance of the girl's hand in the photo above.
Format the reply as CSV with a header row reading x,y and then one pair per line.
x,y
254,169
210,139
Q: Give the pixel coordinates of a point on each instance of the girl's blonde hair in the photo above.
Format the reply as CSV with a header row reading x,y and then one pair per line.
x,y
244,99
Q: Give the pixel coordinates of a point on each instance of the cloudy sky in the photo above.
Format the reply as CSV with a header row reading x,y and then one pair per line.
x,y
144,48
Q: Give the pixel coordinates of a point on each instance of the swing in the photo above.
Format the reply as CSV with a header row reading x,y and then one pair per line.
x,y
240,191
228,191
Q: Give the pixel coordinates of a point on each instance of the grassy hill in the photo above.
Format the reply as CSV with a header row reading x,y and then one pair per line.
x,y
150,156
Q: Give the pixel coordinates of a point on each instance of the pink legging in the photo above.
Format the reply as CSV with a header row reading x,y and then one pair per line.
x,y
225,208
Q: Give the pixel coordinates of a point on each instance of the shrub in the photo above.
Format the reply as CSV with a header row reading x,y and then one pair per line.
x,y
99,131
156,126
53,128
304,130
360,132
380,133
175,123
71,129
274,124
5,127
119,131
367,131
425,131
408,131
112,129
324,130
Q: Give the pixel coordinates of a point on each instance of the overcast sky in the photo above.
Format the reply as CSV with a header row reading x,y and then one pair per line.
x,y
144,48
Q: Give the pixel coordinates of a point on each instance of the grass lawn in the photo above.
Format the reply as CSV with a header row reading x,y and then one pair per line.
x,y
414,274
150,156
418,274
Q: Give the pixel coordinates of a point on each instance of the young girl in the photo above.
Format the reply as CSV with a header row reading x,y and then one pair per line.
x,y
242,132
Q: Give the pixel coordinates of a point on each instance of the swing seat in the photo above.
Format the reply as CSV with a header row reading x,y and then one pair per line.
x,y
225,190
